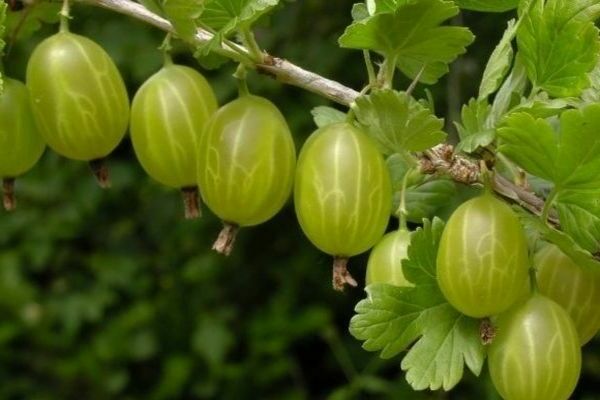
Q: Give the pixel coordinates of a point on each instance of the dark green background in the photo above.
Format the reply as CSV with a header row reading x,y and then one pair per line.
x,y
112,295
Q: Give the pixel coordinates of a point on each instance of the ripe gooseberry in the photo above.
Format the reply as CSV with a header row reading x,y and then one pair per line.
x,y
385,260
246,163
79,99
168,115
21,145
482,262
536,353
342,195
576,289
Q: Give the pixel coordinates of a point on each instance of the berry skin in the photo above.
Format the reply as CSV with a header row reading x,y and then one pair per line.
x,y
78,96
535,354
482,261
168,115
385,260
21,145
577,290
342,195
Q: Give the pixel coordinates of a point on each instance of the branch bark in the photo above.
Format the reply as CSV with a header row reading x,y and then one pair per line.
x,y
280,69
441,159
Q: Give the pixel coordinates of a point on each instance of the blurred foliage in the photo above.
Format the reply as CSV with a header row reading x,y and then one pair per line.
x,y
113,295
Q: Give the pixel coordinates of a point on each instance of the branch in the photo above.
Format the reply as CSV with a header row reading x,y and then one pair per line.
x,y
440,159
278,68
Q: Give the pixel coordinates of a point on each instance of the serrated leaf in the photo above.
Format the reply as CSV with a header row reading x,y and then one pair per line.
x,y
412,36
579,255
499,62
450,340
227,15
540,107
37,14
488,5
531,143
422,201
398,122
324,116
510,92
391,318
183,14
559,44
420,265
475,129
579,212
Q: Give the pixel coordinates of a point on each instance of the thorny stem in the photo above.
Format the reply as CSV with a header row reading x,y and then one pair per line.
x,y
8,189
100,171
225,241
191,202
341,275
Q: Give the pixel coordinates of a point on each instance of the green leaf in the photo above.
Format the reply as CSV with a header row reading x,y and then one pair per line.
x,y
425,194
488,5
420,266
422,201
559,44
499,62
228,15
580,256
412,36
359,12
324,116
154,6
579,212
510,92
531,143
384,6
391,319
543,107
30,19
398,122
184,14
475,129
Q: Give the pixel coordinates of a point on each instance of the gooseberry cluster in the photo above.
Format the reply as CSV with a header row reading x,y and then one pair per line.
x,y
241,156
240,159
535,318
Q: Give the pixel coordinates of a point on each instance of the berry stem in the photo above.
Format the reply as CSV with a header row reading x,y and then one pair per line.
x,y
166,48
226,239
100,171
8,189
241,74
65,15
250,42
341,275
191,202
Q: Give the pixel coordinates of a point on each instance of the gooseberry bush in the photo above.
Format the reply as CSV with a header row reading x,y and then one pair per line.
x,y
513,275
